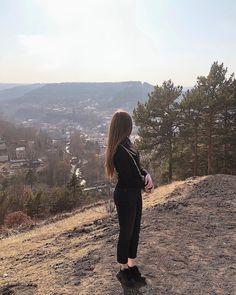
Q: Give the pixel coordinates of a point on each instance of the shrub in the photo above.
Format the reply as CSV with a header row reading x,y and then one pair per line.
x,y
4,204
33,204
17,218
60,200
3,231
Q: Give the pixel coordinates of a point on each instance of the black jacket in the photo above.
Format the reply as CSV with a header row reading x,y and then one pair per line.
x,y
127,172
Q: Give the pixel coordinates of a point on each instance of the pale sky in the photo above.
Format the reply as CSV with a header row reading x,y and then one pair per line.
x,y
43,41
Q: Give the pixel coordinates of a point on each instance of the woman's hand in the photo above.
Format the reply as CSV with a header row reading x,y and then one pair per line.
x,y
148,183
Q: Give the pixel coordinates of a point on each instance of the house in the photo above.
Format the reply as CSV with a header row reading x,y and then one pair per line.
x,y
20,152
31,143
3,152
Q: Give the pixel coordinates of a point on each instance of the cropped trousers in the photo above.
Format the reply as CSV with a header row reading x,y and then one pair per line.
x,y
128,203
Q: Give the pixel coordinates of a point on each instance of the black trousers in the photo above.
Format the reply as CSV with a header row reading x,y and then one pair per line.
x,y
128,203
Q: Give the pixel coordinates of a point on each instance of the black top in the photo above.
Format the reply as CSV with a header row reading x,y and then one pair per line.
x,y
127,172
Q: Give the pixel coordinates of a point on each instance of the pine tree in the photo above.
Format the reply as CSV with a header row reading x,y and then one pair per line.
x,y
207,132
190,128
31,177
74,186
158,122
226,126
212,88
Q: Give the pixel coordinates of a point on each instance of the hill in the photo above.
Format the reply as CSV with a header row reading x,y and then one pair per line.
x,y
11,93
23,102
4,86
187,246
76,91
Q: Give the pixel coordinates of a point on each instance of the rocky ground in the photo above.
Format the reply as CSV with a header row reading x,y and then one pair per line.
x,y
187,246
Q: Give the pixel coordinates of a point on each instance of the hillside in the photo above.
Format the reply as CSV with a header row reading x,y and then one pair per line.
x,y
187,246
4,86
11,93
23,102
75,91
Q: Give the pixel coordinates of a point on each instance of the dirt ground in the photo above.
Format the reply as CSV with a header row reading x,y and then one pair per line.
x,y
187,246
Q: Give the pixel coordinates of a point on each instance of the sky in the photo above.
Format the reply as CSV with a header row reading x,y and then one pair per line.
x,y
49,41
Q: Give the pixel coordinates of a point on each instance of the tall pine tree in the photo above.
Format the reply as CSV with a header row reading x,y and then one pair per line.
x,y
189,139
158,122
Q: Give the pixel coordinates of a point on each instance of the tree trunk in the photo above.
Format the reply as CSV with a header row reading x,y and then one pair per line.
x,y
225,145
209,152
195,172
170,161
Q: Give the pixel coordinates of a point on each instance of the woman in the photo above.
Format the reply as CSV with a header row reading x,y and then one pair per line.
x,y
132,178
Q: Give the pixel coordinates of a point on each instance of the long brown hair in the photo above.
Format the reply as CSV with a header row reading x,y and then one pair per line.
x,y
120,127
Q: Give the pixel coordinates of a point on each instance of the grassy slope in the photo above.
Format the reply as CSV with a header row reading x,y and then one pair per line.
x,y
177,249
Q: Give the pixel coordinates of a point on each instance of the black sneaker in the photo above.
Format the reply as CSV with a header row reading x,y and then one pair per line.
x,y
136,275
124,276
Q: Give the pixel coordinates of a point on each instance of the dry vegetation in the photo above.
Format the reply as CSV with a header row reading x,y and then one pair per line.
x,y
187,246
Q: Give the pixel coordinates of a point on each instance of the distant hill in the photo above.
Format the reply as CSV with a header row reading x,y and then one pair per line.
x,y
74,100
10,93
34,100
97,92
187,246
27,93
8,85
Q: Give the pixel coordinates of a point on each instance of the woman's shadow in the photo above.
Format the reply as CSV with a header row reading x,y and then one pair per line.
x,y
134,290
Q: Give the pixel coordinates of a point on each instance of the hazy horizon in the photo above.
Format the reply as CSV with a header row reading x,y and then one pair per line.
x,y
18,84
60,41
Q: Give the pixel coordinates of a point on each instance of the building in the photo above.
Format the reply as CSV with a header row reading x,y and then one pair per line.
x,y
20,152
3,152
31,143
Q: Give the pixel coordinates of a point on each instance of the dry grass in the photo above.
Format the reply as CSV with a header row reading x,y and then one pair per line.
x,y
160,193
49,248
39,236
